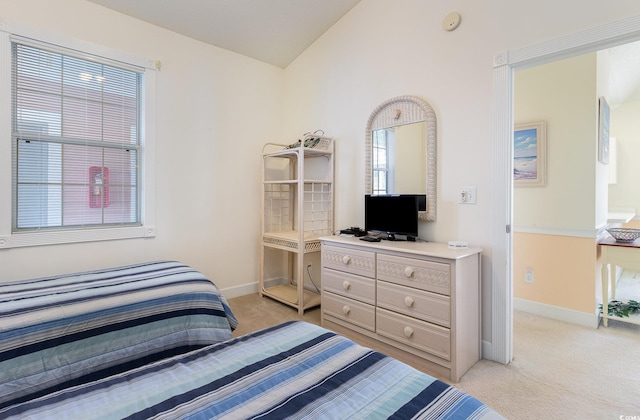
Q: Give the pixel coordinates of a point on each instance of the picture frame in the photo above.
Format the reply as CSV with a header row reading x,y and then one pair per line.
x,y
604,116
530,154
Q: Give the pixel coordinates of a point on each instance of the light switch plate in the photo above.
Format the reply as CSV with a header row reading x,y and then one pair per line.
x,y
467,195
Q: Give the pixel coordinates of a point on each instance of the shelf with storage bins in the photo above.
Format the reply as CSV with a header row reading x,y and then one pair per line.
x,y
297,201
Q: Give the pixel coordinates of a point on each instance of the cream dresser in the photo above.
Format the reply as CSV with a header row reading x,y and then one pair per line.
x,y
416,301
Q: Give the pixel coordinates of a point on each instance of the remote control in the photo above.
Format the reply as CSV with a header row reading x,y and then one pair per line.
x,y
370,239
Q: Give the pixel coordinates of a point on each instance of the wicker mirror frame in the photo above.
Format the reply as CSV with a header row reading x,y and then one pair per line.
x,y
403,110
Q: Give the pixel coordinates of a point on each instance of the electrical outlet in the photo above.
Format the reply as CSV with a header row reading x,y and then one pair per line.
x,y
467,195
528,275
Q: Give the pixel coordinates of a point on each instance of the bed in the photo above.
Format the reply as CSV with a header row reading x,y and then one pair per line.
x,y
292,370
59,331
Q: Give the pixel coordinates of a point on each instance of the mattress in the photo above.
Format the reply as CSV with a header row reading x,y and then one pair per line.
x,y
60,331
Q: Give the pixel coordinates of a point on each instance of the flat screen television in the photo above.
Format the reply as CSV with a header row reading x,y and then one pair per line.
x,y
395,214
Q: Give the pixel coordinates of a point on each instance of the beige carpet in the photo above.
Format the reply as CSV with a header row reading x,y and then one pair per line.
x,y
559,371
562,371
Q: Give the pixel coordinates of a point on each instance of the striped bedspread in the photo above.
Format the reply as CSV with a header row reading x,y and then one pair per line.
x,y
61,331
294,370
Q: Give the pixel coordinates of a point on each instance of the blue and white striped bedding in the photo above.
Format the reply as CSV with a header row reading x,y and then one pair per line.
x,y
61,331
293,370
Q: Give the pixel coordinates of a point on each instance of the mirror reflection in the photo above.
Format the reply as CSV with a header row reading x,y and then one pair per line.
x,y
400,151
399,159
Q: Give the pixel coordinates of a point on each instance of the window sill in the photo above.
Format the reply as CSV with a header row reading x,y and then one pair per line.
x,y
19,240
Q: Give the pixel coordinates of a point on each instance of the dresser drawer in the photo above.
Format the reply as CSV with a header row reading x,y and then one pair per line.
x,y
354,312
426,275
417,303
352,261
349,285
415,333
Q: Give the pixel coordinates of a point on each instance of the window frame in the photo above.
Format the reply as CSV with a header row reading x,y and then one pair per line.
x,y
388,170
9,239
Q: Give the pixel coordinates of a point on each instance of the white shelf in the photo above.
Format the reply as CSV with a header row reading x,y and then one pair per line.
x,y
292,235
297,197
323,149
289,153
288,294
290,240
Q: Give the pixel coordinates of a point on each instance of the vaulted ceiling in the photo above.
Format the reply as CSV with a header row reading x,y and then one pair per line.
x,y
272,31
277,31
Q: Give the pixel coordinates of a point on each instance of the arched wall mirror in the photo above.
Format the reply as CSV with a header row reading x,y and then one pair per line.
x,y
400,151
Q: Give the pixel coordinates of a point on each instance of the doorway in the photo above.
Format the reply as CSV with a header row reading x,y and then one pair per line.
x,y
505,64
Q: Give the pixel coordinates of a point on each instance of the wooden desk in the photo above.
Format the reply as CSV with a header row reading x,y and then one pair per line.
x,y
616,254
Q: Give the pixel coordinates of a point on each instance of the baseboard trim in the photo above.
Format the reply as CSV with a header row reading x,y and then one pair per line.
x,y
241,290
556,312
487,349
247,288
251,288
254,287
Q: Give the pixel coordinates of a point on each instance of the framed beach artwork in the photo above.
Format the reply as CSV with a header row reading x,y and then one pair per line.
x,y
529,154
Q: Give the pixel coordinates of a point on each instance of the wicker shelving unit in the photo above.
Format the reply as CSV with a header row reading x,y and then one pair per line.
x,y
297,197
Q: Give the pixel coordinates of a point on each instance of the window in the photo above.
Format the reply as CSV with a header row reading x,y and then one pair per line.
x,y
76,141
80,144
383,150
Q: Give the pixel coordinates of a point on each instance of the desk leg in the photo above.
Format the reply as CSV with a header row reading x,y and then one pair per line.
x,y
605,294
613,271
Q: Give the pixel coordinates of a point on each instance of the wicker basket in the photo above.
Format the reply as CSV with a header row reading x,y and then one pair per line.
x,y
624,234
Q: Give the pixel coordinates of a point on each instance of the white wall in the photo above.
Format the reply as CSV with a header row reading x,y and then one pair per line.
x,y
215,110
383,49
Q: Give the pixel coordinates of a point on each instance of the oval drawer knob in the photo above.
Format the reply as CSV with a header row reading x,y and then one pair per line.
x,y
346,309
408,272
409,301
408,332
346,259
346,285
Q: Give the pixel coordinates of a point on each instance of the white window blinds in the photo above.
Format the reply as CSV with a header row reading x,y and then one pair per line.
x,y
76,140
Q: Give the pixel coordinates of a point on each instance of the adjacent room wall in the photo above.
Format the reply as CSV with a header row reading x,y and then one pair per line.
x,y
625,127
555,228
563,94
564,276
